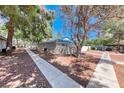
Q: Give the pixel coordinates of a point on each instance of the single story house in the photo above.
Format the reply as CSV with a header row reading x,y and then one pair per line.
x,y
57,45
52,44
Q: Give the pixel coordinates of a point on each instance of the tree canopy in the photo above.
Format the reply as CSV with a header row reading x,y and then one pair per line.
x,y
77,20
34,22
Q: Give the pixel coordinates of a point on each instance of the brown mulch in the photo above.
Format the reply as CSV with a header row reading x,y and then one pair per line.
x,y
79,70
19,70
116,56
119,70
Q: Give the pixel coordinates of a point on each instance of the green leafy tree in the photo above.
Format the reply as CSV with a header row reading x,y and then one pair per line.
x,y
14,15
34,22
41,26
114,29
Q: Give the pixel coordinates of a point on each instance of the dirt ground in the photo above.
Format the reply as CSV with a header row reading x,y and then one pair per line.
x,y
79,70
119,70
117,56
18,70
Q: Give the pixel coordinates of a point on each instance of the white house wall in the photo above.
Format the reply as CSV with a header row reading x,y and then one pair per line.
x,y
2,44
85,48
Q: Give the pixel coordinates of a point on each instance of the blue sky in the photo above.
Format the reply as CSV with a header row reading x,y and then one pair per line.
x,y
58,24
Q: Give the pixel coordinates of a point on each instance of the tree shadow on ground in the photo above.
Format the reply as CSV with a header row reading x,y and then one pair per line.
x,y
74,73
81,73
79,70
19,70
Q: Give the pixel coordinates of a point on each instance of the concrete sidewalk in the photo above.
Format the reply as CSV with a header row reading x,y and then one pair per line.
x,y
118,62
104,75
55,77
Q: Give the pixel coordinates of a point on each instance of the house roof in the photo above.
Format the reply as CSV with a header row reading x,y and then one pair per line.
x,y
2,38
64,40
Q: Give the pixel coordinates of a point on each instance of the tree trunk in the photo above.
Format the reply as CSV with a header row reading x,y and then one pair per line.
x,y
78,51
84,37
38,45
10,33
85,29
